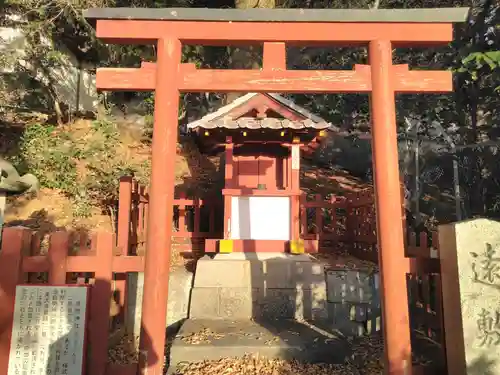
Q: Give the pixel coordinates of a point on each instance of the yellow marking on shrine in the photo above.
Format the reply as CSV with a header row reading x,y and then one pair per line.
x,y
226,246
297,247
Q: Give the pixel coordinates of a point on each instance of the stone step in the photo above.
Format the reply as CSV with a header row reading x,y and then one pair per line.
x,y
200,340
210,340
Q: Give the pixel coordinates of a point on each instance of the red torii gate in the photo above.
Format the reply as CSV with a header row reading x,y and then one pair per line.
x,y
380,30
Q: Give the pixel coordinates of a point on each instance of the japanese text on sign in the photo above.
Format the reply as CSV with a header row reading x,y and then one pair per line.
x,y
48,330
488,326
486,266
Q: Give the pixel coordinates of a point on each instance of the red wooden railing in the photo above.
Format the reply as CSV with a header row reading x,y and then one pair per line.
x,y
323,219
23,260
341,219
194,219
351,220
425,295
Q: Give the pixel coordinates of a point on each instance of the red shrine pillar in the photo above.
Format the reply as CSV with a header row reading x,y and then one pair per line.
x,y
228,184
392,261
295,187
158,240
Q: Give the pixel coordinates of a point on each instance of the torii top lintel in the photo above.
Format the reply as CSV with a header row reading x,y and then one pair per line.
x,y
317,26
275,29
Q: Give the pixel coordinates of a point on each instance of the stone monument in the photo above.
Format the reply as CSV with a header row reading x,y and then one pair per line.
x,y
470,272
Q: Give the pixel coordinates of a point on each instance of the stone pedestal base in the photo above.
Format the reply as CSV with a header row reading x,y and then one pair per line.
x,y
180,285
267,286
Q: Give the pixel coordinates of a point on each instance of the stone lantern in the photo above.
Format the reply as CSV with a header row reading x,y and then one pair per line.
x,y
12,184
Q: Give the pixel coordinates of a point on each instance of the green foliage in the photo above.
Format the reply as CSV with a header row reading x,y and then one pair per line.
x,y
481,63
84,164
51,156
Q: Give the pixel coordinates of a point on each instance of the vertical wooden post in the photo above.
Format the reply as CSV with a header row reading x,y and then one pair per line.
x,y
229,164
13,243
333,213
229,184
392,261
295,166
123,240
303,225
124,214
182,214
295,187
159,234
142,210
319,215
58,252
146,213
197,217
274,56
134,215
103,243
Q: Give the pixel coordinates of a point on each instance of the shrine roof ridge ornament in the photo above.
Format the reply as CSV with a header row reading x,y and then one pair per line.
x,y
423,15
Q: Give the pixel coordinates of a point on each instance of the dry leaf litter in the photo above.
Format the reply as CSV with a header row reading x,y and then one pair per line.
x,y
365,361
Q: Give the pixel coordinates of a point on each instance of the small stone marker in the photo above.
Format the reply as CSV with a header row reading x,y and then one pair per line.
x,y
354,286
48,333
470,274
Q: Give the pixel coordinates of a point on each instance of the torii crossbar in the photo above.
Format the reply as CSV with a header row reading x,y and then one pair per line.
x,y
379,30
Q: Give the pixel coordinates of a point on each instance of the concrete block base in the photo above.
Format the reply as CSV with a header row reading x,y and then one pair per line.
x,y
179,294
266,286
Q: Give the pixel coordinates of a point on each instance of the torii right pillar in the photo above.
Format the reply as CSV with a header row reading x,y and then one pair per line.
x,y
390,231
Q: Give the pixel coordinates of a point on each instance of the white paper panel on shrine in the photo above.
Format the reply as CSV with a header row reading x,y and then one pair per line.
x,y
260,218
48,330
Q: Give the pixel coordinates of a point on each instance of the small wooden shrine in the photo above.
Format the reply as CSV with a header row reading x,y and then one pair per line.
x,y
262,136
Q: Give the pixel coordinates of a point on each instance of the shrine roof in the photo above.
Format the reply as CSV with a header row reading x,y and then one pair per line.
x,y
222,117
268,123
423,15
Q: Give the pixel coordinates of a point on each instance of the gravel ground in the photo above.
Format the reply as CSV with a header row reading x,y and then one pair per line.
x,y
366,361
261,366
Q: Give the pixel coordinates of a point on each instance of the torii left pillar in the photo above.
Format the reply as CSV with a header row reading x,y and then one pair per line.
x,y
159,232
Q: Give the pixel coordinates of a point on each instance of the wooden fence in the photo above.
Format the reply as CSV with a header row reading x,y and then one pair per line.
x,y
194,219
425,297
341,219
351,220
58,265
321,219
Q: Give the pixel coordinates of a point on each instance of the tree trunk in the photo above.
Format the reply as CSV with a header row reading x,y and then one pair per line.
x,y
246,57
